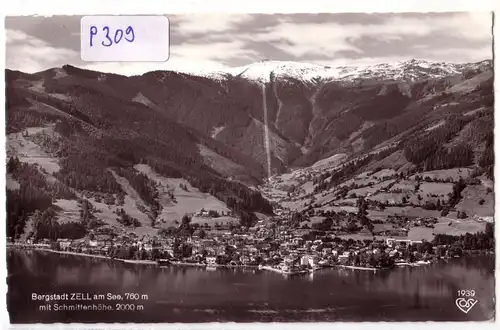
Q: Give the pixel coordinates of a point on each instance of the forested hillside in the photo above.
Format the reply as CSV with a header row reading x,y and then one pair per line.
x,y
93,133
76,139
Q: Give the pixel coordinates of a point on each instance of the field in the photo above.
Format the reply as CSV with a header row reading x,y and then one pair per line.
x,y
219,163
360,181
371,189
395,161
407,211
404,186
378,227
457,227
390,198
212,221
329,162
187,201
384,173
454,174
440,189
31,153
12,184
70,211
308,187
316,219
424,233
348,209
477,201
431,192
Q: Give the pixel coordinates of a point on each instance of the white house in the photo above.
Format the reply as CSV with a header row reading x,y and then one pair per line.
x,y
288,260
284,267
211,260
202,213
344,257
327,251
390,242
309,260
170,251
64,243
393,253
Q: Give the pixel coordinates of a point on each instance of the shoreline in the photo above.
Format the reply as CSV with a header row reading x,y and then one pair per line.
x,y
360,268
81,254
127,261
275,270
166,263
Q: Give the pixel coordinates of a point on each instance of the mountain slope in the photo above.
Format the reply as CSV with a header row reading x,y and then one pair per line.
x,y
97,130
225,133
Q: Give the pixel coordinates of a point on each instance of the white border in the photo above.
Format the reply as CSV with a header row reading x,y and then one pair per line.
x,y
88,7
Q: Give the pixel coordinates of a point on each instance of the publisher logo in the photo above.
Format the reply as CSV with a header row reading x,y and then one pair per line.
x,y
465,304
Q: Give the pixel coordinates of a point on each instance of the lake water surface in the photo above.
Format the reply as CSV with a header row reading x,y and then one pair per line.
x,y
189,294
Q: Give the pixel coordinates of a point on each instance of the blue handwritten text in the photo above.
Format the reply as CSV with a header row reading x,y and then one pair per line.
x,y
109,37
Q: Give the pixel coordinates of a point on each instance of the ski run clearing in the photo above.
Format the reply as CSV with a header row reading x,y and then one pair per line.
x,y
29,152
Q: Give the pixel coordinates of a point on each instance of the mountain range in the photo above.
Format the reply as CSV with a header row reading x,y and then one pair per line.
x,y
95,135
410,70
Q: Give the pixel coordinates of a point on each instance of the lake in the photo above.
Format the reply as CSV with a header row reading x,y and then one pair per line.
x,y
190,294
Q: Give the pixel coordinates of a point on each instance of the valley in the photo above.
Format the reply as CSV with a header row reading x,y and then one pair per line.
x,y
402,151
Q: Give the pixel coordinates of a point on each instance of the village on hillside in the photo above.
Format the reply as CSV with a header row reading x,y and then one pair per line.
x,y
270,245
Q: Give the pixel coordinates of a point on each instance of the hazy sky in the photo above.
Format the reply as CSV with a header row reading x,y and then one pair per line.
x,y
212,41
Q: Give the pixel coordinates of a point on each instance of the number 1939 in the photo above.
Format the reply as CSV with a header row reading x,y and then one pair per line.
x,y
466,293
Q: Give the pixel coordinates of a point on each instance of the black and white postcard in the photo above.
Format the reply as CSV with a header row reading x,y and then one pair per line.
x,y
320,167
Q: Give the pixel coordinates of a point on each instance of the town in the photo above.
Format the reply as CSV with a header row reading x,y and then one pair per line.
x,y
272,244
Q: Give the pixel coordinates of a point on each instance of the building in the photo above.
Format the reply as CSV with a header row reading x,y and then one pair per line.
x,y
245,260
221,250
284,267
211,260
93,243
64,243
344,257
198,250
170,251
202,213
309,260
288,260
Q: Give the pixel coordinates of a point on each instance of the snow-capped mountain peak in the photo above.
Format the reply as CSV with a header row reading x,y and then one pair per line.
x,y
264,71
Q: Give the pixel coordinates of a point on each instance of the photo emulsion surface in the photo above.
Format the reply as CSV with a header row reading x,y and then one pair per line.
x,y
277,168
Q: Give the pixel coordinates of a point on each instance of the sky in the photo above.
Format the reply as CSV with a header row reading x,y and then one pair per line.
x,y
208,41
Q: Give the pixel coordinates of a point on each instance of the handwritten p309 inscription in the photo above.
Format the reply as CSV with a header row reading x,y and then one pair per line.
x,y
125,38
118,35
